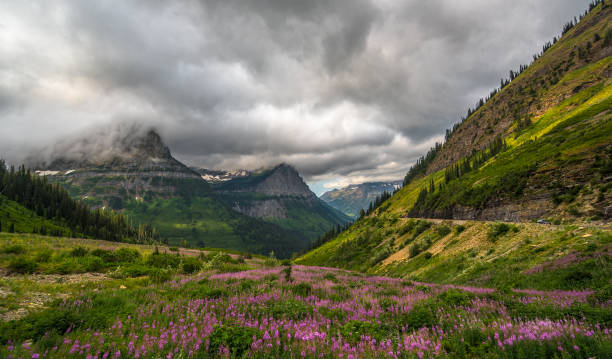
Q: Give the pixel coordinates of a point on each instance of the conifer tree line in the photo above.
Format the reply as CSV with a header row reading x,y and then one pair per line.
x,y
380,199
52,202
474,161
327,236
420,167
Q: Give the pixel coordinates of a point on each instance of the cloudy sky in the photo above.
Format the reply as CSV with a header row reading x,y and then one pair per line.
x,y
345,90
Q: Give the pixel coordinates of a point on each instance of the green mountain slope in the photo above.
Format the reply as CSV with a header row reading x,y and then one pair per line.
x,y
539,148
280,196
16,218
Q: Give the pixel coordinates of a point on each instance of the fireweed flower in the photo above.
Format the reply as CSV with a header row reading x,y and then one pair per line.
x,y
352,316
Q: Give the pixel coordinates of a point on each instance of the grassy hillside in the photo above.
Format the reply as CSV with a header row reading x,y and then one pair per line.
x,y
16,218
520,255
553,160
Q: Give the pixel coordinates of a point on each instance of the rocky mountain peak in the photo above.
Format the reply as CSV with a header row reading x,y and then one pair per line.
x,y
121,145
150,145
282,180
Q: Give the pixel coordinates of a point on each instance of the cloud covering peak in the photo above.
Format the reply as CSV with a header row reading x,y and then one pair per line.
x,y
349,90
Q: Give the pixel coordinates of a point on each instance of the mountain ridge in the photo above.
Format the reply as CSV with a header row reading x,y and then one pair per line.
x,y
352,198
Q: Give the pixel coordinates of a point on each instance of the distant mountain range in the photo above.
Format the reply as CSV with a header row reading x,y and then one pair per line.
x,y
133,171
351,199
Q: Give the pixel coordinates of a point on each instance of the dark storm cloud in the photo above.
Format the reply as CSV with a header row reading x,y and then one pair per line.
x,y
344,89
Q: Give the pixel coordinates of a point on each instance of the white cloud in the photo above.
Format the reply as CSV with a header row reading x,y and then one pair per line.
x,y
346,90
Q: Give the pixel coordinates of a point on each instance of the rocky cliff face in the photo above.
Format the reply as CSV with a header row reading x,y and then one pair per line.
x,y
284,180
267,193
280,195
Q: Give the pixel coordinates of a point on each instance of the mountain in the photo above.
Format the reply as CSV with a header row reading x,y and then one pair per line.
x,y
351,199
279,195
130,169
539,148
127,165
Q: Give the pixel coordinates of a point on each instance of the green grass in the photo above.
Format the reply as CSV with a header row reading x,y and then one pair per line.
x,y
22,220
475,253
58,259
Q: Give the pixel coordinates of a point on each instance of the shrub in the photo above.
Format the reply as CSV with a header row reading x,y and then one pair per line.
x,y
302,289
160,275
497,229
14,249
420,316
331,277
290,309
133,271
602,295
460,228
443,231
456,297
69,266
270,262
163,260
35,325
421,227
22,265
427,255
211,293
127,255
79,251
107,256
287,272
94,264
43,256
237,339
191,265
285,262
219,258
578,276
415,250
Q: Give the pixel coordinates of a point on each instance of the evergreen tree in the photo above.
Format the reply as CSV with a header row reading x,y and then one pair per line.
x,y
51,201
